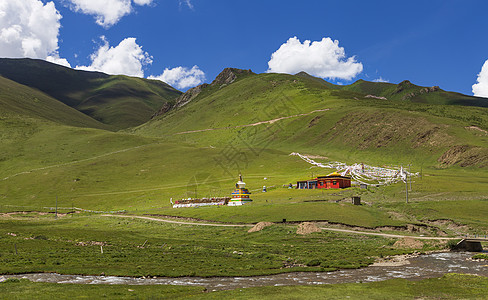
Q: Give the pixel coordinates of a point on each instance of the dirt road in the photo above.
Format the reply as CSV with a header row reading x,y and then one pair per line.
x,y
254,124
388,235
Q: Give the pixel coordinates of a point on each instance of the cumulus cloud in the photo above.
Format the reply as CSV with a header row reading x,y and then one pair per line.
x,y
381,79
107,12
323,59
480,88
127,58
181,77
57,60
29,28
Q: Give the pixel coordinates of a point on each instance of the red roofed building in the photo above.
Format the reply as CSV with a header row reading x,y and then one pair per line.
x,y
331,181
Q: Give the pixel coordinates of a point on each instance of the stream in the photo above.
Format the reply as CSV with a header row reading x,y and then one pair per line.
x,y
414,268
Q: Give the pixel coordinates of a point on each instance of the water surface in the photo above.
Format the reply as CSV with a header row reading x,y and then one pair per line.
x,y
424,266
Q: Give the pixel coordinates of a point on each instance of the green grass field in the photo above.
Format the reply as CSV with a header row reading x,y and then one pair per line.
x,y
52,154
134,247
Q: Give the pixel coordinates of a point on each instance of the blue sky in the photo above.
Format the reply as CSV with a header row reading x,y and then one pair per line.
x,y
427,42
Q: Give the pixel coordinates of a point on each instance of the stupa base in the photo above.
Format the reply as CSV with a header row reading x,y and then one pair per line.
x,y
238,202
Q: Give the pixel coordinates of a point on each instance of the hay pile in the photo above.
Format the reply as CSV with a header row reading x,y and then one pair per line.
x,y
307,228
260,226
407,242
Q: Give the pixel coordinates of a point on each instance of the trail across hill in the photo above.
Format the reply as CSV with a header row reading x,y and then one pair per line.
x,y
254,124
140,146
251,225
179,222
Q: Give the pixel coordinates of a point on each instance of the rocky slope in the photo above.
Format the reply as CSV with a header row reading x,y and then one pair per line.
x,y
226,77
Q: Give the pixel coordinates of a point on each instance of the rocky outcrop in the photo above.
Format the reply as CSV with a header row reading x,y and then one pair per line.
x,y
164,109
422,91
226,77
465,156
190,95
404,85
429,89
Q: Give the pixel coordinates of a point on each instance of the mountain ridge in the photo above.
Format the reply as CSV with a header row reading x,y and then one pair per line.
x,y
426,124
226,77
115,100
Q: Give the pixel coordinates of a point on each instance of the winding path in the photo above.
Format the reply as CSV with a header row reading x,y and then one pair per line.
x,y
179,222
140,146
388,235
254,124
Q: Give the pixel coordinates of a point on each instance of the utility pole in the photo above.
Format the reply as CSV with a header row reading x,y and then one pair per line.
x,y
56,216
406,185
410,177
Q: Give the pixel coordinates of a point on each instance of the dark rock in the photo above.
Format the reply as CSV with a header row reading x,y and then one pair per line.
x,y
408,96
226,77
190,95
403,85
164,109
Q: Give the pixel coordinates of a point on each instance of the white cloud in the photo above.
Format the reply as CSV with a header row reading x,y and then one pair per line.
x,y
187,3
480,88
181,77
381,79
106,12
319,58
29,28
143,2
127,58
55,59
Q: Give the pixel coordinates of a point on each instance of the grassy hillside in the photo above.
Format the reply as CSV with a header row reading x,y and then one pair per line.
x,y
339,124
141,170
23,101
407,91
50,157
118,101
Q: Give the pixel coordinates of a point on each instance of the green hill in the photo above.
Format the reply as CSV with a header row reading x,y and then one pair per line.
x,y
250,124
52,156
407,91
118,101
21,100
343,123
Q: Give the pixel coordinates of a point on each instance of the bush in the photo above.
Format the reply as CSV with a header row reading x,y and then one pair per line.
x,y
313,263
480,256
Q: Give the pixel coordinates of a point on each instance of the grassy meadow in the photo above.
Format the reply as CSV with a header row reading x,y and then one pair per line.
x,y
52,154
135,247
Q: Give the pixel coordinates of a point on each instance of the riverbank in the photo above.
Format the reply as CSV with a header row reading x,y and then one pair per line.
x,y
93,244
412,267
449,286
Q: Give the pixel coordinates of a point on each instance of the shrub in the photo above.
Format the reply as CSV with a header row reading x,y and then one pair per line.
x,y
480,256
313,263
